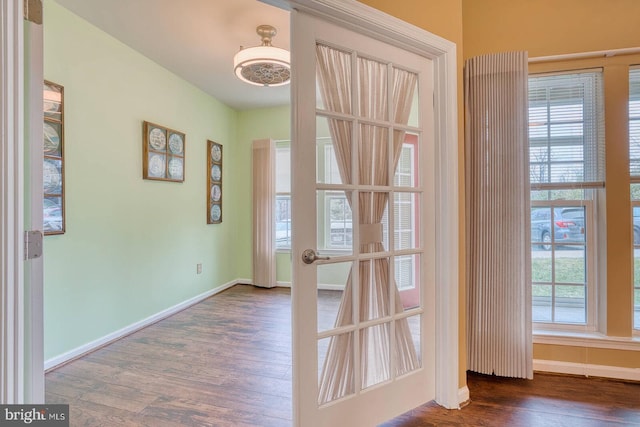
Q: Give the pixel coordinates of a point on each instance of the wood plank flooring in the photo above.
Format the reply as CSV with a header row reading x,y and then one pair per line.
x,y
227,362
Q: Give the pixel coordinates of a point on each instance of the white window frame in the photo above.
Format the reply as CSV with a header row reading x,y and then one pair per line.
x,y
634,289
634,180
593,226
280,194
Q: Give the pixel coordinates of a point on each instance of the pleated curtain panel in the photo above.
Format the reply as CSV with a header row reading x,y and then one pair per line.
x,y
335,80
264,195
498,216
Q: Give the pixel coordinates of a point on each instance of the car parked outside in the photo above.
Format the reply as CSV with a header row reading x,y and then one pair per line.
x,y
568,225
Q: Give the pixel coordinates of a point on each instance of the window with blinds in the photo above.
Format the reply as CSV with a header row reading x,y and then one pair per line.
x,y
566,167
566,130
634,123
634,170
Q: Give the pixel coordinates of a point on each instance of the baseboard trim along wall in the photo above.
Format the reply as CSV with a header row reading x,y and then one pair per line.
x,y
77,352
321,286
463,395
586,369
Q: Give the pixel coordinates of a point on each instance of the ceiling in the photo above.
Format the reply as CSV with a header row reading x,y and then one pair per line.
x,y
195,39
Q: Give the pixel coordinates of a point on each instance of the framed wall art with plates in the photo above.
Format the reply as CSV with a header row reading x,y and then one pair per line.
x,y
162,153
214,179
53,166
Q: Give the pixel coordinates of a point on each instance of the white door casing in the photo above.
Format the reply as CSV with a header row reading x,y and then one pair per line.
x,y
12,303
34,268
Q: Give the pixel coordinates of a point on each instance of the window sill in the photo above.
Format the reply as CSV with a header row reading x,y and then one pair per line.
x,y
586,339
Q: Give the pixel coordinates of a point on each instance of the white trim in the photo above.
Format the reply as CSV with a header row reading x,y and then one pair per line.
x,y
34,279
584,55
463,395
447,227
321,286
374,23
586,369
77,352
588,340
12,305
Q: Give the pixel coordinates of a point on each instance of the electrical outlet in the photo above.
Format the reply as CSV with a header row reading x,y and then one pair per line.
x,y
199,268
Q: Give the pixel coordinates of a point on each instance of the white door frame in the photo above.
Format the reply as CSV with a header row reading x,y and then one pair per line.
x,y
21,290
34,268
358,17
12,304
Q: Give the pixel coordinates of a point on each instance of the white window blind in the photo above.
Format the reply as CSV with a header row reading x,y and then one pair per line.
x,y
634,123
566,130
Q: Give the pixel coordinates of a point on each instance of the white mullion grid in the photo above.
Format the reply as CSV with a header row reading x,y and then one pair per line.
x,y
366,121
392,224
590,272
635,179
634,288
552,230
355,215
370,323
591,268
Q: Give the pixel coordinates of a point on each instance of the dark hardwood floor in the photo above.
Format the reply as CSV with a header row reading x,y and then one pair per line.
x,y
227,362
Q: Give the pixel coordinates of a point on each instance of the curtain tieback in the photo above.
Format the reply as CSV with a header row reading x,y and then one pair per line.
x,y
370,233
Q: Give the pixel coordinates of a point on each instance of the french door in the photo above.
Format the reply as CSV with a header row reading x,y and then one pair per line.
x,y
363,192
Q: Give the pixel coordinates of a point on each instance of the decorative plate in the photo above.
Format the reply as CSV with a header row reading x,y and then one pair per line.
x,y
52,101
157,139
52,176
52,214
216,173
216,153
175,167
216,213
216,192
156,165
51,142
176,144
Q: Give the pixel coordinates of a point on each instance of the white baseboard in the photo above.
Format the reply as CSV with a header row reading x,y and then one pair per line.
x,y
321,286
463,395
586,369
70,355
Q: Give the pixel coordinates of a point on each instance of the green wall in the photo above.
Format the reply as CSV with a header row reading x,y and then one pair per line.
x,y
132,245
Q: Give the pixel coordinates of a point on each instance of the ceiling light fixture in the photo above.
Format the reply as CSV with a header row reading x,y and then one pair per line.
x,y
263,65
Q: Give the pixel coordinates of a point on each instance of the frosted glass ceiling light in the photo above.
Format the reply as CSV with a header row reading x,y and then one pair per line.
x,y
263,65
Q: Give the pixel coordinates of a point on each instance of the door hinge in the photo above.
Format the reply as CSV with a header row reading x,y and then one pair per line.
x,y
32,244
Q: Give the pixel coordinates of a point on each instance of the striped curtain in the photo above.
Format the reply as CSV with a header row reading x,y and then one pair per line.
x,y
498,216
264,196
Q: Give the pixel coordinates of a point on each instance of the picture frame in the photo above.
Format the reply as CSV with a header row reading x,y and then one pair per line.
x,y
53,204
163,153
214,180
